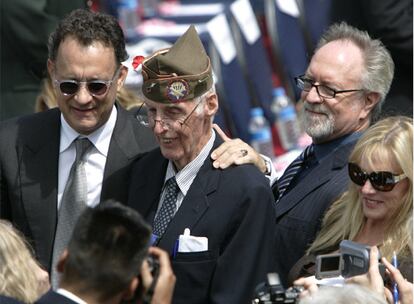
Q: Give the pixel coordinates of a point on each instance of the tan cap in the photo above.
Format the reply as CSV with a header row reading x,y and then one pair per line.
x,y
180,73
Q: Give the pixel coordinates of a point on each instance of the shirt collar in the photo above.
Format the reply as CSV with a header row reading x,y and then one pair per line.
x,y
100,138
323,149
187,174
70,295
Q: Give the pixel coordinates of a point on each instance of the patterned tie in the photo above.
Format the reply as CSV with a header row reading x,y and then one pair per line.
x,y
168,207
292,170
72,204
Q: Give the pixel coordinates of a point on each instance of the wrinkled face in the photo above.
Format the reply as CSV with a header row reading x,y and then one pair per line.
x,y
338,65
182,129
87,108
378,205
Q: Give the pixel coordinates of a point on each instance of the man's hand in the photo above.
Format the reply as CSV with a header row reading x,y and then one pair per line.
x,y
235,152
165,284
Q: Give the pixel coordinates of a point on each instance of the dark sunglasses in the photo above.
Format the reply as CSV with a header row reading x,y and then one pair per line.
x,y
94,87
381,181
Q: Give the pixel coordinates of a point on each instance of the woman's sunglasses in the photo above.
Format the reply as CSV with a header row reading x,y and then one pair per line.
x,y
381,181
94,87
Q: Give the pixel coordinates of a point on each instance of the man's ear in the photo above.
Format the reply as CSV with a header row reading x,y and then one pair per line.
x,y
62,261
370,101
212,104
129,292
123,72
50,67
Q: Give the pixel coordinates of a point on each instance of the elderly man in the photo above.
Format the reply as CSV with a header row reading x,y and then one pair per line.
x,y
54,164
342,90
216,224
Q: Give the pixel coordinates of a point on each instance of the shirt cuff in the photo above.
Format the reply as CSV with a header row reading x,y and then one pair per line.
x,y
270,169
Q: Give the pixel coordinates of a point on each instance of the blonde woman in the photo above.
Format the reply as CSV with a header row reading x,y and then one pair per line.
x,y
21,277
377,208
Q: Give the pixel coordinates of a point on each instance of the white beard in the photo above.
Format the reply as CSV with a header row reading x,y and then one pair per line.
x,y
318,126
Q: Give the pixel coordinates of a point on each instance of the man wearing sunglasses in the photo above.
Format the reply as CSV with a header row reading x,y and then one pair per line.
x,y
37,178
343,89
217,225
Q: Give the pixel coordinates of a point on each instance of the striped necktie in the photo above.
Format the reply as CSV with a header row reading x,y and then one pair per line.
x,y
292,170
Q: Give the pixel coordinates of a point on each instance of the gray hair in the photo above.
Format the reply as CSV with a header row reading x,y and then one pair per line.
x,y
379,66
349,293
202,100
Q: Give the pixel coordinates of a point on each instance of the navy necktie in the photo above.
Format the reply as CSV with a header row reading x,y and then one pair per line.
x,y
292,170
168,207
72,204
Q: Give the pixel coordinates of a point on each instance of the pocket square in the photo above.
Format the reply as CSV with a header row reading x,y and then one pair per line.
x,y
190,243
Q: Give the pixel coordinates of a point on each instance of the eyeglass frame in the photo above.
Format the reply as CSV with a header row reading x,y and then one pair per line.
x,y
162,121
108,84
302,79
396,178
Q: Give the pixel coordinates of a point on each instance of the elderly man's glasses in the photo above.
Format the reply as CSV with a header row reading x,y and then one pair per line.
x,y
324,91
69,87
381,181
147,118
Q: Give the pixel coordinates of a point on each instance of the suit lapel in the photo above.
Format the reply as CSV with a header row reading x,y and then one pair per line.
x,y
326,169
39,157
123,146
147,187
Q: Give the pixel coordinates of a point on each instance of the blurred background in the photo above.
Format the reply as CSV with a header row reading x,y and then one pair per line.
x,y
256,47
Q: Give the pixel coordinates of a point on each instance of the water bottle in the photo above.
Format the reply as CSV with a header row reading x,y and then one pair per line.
x,y
260,133
287,124
128,17
149,8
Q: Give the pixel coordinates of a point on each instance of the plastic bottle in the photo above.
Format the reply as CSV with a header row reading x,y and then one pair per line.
x,y
128,17
260,133
287,124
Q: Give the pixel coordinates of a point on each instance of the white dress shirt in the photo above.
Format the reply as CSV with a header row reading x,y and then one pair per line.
x,y
186,175
95,158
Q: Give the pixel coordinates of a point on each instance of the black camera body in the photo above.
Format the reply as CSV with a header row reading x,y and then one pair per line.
x,y
352,260
272,292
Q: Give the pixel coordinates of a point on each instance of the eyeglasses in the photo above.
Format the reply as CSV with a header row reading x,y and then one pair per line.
x,y
69,87
147,118
381,181
324,91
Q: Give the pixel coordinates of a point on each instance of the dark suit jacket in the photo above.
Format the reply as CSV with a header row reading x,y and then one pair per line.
x,y
52,297
8,300
300,211
29,155
233,208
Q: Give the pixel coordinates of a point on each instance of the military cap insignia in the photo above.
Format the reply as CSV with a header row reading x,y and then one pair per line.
x,y
177,90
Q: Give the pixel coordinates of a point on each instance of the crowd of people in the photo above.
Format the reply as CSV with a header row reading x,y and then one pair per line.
x,y
158,205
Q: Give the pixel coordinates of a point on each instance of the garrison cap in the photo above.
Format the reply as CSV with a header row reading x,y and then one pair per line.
x,y
180,73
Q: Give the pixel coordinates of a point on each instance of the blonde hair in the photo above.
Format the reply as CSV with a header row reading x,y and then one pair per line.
x,y
389,140
18,279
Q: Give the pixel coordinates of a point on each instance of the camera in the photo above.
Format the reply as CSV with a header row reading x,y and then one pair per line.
x,y
272,292
145,296
352,260
154,266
